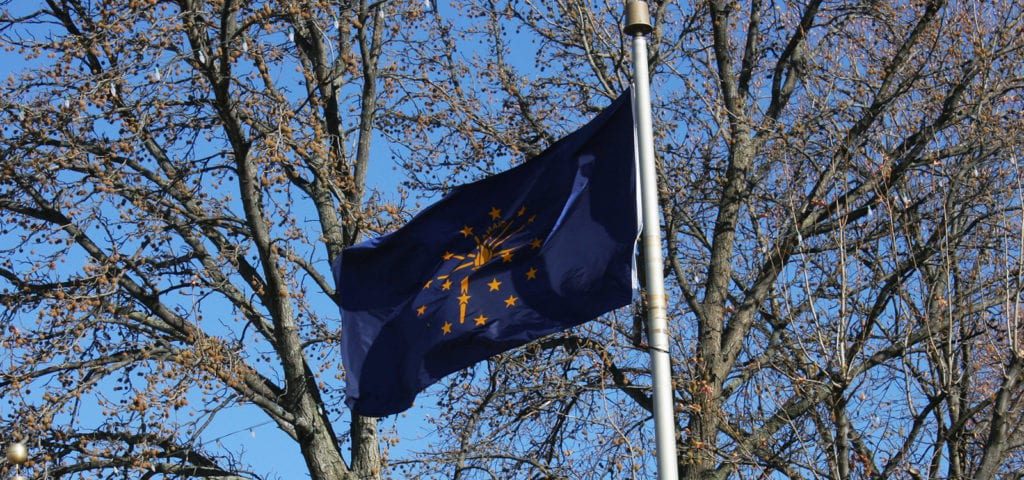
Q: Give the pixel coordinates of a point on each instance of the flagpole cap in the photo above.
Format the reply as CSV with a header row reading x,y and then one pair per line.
x,y
638,18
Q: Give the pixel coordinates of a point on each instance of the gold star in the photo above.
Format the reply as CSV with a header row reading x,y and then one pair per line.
x,y
446,285
494,285
535,243
427,285
522,211
511,301
448,255
531,219
481,320
446,328
466,231
531,274
506,256
495,213
464,298
420,311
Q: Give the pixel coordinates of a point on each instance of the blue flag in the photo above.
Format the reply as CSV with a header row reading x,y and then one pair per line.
x,y
493,265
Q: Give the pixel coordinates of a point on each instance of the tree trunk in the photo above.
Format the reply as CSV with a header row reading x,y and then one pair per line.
x,y
704,431
320,450
998,437
366,458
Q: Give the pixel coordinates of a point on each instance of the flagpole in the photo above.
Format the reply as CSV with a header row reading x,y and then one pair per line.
x,y
638,25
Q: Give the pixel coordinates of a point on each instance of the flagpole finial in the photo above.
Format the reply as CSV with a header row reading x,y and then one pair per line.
x,y
638,18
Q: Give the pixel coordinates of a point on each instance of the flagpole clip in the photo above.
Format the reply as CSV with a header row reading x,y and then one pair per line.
x,y
638,18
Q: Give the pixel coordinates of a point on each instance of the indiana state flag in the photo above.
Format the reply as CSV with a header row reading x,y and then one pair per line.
x,y
495,264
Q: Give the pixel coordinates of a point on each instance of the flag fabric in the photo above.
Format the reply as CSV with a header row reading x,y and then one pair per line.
x,y
493,265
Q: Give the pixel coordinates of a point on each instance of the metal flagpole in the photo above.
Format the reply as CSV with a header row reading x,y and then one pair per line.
x,y
638,25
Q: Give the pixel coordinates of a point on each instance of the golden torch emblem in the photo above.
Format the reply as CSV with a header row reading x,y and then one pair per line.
x,y
493,245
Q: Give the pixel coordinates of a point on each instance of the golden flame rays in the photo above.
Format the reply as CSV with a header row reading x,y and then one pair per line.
x,y
488,247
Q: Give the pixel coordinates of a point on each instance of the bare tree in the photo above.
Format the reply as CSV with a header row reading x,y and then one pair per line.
x,y
176,176
841,204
